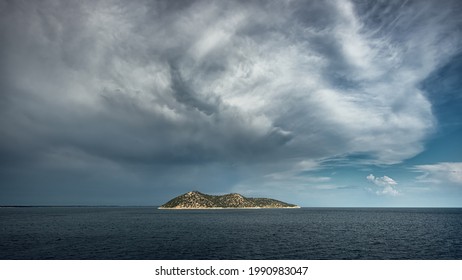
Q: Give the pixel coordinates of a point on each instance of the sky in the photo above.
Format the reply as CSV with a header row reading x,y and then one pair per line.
x,y
317,103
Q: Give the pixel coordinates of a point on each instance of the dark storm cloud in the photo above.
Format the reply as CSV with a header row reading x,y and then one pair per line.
x,y
98,85
82,97
185,95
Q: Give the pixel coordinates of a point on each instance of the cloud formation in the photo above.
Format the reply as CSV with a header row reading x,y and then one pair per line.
x,y
387,185
166,83
443,172
215,80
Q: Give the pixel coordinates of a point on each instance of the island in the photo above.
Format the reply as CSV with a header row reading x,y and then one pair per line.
x,y
198,200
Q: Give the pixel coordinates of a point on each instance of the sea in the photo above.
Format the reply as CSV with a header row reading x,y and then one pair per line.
x,y
122,233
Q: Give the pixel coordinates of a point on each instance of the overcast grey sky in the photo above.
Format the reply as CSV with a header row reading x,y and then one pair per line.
x,y
320,103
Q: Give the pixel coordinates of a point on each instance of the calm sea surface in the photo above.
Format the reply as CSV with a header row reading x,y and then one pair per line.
x,y
307,233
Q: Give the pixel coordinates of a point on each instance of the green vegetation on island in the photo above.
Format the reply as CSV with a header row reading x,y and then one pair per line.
x,y
198,200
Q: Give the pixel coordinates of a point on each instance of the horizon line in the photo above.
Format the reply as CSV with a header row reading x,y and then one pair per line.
x,y
156,206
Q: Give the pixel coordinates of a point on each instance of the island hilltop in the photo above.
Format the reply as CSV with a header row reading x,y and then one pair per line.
x,y
198,200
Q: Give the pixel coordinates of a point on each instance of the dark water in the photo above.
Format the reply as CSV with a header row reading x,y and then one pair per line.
x,y
307,233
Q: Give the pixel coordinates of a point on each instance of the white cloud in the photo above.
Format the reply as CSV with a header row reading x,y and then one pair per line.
x,y
220,81
387,185
443,172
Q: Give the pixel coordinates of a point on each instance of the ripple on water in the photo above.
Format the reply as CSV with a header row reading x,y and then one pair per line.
x,y
307,233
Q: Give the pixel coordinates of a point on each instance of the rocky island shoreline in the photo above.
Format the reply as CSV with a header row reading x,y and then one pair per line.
x,y
198,200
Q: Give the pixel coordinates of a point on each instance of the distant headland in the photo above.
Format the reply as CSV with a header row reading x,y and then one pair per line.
x,y
198,200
